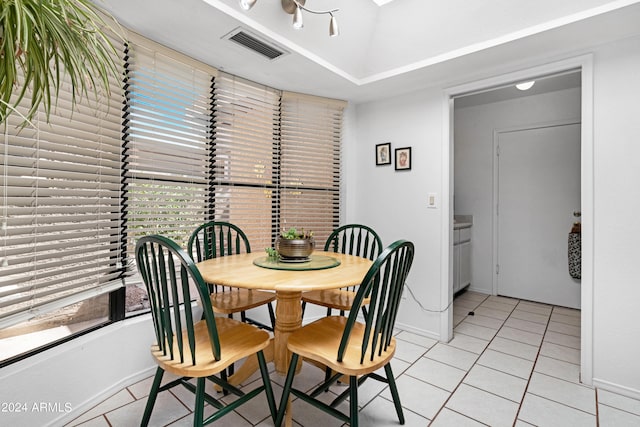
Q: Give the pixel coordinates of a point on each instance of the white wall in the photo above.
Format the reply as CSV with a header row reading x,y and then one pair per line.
x,y
394,202
616,207
473,168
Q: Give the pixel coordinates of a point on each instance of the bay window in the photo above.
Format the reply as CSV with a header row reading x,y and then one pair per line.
x,y
176,143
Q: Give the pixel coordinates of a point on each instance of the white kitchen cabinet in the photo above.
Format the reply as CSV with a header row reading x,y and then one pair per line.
x,y
461,257
456,264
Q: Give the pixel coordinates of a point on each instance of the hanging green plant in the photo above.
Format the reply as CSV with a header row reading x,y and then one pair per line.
x,y
40,41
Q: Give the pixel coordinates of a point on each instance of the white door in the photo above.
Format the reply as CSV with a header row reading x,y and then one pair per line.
x,y
538,179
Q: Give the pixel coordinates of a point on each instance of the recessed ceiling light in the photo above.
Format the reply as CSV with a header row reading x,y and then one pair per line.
x,y
525,85
382,2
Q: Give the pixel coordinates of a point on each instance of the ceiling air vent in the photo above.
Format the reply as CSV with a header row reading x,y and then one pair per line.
x,y
251,41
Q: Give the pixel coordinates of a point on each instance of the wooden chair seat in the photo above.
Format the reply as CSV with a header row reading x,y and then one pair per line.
x,y
340,299
233,300
238,339
319,341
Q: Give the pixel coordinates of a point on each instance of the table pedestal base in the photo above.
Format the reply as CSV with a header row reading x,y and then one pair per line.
x,y
288,320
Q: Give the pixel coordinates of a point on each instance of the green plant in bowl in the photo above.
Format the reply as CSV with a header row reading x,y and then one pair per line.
x,y
293,244
293,233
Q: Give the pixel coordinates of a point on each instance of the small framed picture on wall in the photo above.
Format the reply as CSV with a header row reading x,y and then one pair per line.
x,y
383,154
403,158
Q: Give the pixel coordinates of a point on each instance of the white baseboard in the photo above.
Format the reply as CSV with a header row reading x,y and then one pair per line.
x,y
418,331
616,388
479,290
103,395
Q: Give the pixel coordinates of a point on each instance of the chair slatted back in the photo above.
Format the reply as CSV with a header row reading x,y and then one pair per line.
x,y
354,239
215,239
168,272
383,283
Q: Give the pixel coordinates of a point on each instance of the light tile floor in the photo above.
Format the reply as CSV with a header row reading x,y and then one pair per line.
x,y
510,363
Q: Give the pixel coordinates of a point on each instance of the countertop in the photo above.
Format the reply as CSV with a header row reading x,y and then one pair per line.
x,y
459,225
462,221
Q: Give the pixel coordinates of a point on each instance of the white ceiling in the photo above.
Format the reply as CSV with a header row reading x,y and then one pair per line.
x,y
381,50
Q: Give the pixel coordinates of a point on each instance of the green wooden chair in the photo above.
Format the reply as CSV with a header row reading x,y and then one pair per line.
x,y
350,348
217,238
352,239
191,348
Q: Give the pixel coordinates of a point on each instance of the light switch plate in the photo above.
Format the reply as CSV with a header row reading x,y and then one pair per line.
x,y
432,200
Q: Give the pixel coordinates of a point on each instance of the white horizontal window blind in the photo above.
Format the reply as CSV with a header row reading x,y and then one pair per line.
x,y
168,130
310,130
174,144
61,206
245,162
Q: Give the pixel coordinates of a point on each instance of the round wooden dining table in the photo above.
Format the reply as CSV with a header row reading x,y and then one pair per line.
x,y
288,281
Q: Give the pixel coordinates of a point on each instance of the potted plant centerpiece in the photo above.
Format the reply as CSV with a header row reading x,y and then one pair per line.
x,y
294,245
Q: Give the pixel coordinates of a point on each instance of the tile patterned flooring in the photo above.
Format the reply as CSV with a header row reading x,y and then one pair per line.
x,y
510,363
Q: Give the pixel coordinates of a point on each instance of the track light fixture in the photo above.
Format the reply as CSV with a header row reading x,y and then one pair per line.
x,y
334,31
297,18
295,8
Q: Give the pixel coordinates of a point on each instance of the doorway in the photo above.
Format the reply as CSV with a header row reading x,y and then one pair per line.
x,y
584,65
